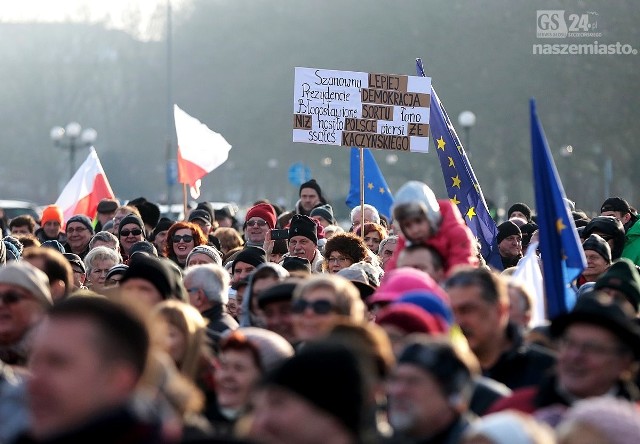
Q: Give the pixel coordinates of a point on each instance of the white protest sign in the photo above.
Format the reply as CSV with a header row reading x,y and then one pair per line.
x,y
382,111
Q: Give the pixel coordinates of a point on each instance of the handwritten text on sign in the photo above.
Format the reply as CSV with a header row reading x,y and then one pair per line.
x,y
384,111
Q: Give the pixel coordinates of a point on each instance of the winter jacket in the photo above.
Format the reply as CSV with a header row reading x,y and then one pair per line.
x,y
632,244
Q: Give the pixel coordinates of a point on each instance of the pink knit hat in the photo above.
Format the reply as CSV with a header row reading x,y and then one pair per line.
x,y
401,280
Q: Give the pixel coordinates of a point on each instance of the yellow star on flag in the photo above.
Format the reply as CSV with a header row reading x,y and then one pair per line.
x,y
455,200
456,181
460,149
451,162
560,226
441,143
471,213
370,186
381,190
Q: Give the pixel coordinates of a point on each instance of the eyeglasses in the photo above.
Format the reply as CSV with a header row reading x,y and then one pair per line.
x,y
11,297
589,348
320,307
76,230
135,232
185,238
253,223
338,259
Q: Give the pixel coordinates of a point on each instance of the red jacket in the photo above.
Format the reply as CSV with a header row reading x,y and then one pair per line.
x,y
453,240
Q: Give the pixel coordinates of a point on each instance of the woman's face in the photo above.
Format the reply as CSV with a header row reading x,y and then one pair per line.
x,y
314,314
372,239
129,235
337,261
176,342
235,378
183,243
99,272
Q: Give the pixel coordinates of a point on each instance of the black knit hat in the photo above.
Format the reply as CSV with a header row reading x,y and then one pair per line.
x,y
325,212
82,219
149,212
131,219
616,204
599,245
294,263
154,271
76,261
521,207
303,226
624,277
311,184
277,293
250,255
328,376
506,229
162,225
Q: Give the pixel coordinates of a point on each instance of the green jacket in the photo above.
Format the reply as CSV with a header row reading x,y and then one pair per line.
x,y
632,244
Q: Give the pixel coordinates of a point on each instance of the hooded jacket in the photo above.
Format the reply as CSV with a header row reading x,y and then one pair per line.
x,y
632,244
246,318
451,238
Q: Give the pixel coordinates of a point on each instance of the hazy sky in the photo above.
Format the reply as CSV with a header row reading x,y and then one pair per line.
x,y
115,13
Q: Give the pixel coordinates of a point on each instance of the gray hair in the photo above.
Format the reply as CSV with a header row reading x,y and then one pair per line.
x,y
101,253
212,279
355,210
104,236
393,239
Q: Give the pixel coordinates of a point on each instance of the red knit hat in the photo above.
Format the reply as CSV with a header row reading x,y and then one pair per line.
x,y
52,213
265,212
409,318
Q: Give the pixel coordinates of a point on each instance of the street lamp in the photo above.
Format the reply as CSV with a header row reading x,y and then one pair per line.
x,y
73,137
467,119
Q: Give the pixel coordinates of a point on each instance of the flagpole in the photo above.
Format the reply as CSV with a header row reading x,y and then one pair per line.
x,y
361,192
184,199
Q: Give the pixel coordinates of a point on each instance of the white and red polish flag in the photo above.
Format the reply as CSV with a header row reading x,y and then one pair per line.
x,y
200,150
85,189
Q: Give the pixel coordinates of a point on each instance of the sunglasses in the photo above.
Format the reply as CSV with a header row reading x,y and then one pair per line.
x,y
11,297
135,232
76,230
185,238
252,223
320,307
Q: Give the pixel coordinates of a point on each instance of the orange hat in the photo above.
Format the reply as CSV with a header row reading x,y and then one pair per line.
x,y
52,213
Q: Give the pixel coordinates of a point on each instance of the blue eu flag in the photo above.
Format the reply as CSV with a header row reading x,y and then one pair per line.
x,y
462,186
562,255
376,191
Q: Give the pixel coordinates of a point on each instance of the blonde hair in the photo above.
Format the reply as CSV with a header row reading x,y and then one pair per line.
x,y
190,322
348,301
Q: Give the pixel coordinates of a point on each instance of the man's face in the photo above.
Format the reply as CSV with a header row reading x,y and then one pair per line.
x,y
309,198
415,400
481,322
301,246
78,236
624,218
256,230
518,214
19,311
421,259
205,226
277,316
596,265
141,289
160,241
18,230
70,381
52,228
321,220
242,270
590,360
79,276
511,246
387,252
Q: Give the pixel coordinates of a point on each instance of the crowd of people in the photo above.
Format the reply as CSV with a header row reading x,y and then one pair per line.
x,y
284,327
